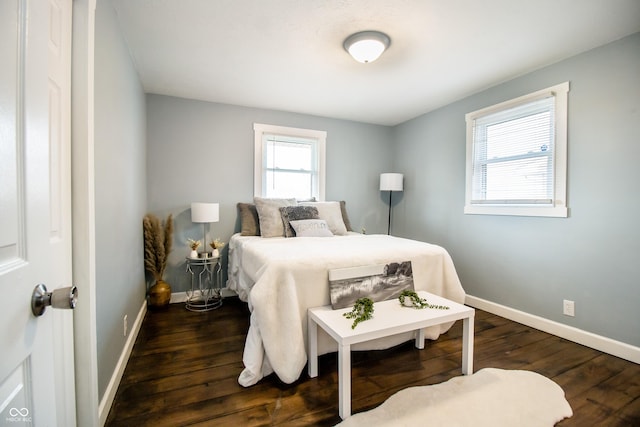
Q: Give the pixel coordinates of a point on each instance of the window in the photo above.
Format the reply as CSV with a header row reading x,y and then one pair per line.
x,y
517,156
289,162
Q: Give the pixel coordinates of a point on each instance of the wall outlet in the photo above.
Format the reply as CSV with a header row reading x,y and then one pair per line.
x,y
568,308
125,325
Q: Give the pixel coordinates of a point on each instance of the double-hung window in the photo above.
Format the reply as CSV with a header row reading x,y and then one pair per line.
x,y
517,156
289,162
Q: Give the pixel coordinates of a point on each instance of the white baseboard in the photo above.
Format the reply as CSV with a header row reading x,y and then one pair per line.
x,y
598,342
112,387
178,297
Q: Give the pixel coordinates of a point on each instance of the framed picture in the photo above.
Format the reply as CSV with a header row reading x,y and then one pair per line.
x,y
378,282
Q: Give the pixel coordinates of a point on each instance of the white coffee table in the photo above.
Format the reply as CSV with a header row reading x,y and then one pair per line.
x,y
389,318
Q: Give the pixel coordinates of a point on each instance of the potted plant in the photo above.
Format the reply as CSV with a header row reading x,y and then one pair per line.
x,y
217,246
409,298
158,238
193,244
362,310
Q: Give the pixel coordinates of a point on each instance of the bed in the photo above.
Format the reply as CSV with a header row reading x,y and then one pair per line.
x,y
281,277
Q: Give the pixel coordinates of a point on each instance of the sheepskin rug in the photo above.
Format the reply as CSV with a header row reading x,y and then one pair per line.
x,y
490,397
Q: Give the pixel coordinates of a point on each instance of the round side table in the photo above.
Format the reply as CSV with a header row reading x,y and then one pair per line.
x,y
206,280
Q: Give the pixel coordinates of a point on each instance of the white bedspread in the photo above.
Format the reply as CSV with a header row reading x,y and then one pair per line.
x,y
281,278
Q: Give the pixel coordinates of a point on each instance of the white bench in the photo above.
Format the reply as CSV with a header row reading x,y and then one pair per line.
x,y
389,318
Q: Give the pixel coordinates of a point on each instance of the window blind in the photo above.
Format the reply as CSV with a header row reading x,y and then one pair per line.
x,y
513,154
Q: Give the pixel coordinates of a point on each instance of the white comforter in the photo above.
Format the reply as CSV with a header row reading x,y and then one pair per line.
x,y
281,278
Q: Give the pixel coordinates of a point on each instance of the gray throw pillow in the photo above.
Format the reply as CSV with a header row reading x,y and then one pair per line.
x,y
269,215
249,222
295,213
345,217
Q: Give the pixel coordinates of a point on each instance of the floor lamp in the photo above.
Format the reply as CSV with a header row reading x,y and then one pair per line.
x,y
390,182
205,213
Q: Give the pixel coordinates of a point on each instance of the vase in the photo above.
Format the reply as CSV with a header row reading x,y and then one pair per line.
x,y
408,302
215,253
193,254
159,294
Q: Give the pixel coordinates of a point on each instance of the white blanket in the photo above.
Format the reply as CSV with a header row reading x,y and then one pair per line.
x,y
281,278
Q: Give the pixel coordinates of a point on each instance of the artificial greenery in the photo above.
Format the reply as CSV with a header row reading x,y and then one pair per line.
x,y
417,302
362,310
217,244
193,244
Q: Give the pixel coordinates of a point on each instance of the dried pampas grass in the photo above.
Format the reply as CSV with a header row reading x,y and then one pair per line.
x,y
158,239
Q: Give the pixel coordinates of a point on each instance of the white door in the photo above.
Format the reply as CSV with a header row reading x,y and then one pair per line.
x,y
36,353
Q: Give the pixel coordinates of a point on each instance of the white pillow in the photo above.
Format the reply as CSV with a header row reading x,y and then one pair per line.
x,y
269,215
330,212
311,228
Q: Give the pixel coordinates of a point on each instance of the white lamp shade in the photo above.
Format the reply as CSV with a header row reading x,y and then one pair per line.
x,y
205,212
391,181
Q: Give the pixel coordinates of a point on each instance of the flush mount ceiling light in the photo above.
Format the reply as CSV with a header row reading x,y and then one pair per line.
x,y
366,46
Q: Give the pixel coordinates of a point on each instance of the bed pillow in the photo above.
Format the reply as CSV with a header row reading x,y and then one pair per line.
x,y
330,212
311,228
269,215
249,222
296,213
345,217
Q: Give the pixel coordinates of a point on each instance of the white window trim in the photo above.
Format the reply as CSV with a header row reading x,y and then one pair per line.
x,y
260,129
559,207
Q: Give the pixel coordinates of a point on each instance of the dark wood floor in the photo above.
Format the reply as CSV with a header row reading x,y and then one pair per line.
x,y
184,367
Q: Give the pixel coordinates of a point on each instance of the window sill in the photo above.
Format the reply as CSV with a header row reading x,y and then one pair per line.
x,y
542,211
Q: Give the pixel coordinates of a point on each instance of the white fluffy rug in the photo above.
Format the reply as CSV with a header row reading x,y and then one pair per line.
x,y
490,397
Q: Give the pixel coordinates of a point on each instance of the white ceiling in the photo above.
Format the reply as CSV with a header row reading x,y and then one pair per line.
x,y
288,55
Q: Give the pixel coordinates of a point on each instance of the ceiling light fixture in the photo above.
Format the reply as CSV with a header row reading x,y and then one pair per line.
x,y
366,46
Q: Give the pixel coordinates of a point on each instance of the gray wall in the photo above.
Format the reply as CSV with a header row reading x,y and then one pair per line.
x,y
203,152
120,187
532,264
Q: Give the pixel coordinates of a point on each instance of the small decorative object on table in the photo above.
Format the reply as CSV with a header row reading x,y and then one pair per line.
x,y
217,246
410,298
158,239
193,244
362,310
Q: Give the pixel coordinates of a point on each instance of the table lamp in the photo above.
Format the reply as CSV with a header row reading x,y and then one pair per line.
x,y
205,213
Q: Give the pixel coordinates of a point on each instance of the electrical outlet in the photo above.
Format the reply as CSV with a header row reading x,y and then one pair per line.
x,y
568,308
125,325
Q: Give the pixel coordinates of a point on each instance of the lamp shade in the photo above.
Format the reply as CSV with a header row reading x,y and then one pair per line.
x,y
391,181
205,212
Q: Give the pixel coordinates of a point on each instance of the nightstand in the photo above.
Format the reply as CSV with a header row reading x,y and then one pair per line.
x,y
206,280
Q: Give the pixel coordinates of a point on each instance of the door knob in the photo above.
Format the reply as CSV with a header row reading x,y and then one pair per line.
x,y
59,298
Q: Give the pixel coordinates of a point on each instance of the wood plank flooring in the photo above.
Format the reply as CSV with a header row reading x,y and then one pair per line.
x,y
184,367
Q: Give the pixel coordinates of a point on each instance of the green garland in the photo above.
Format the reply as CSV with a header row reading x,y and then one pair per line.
x,y
418,302
363,307
362,310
